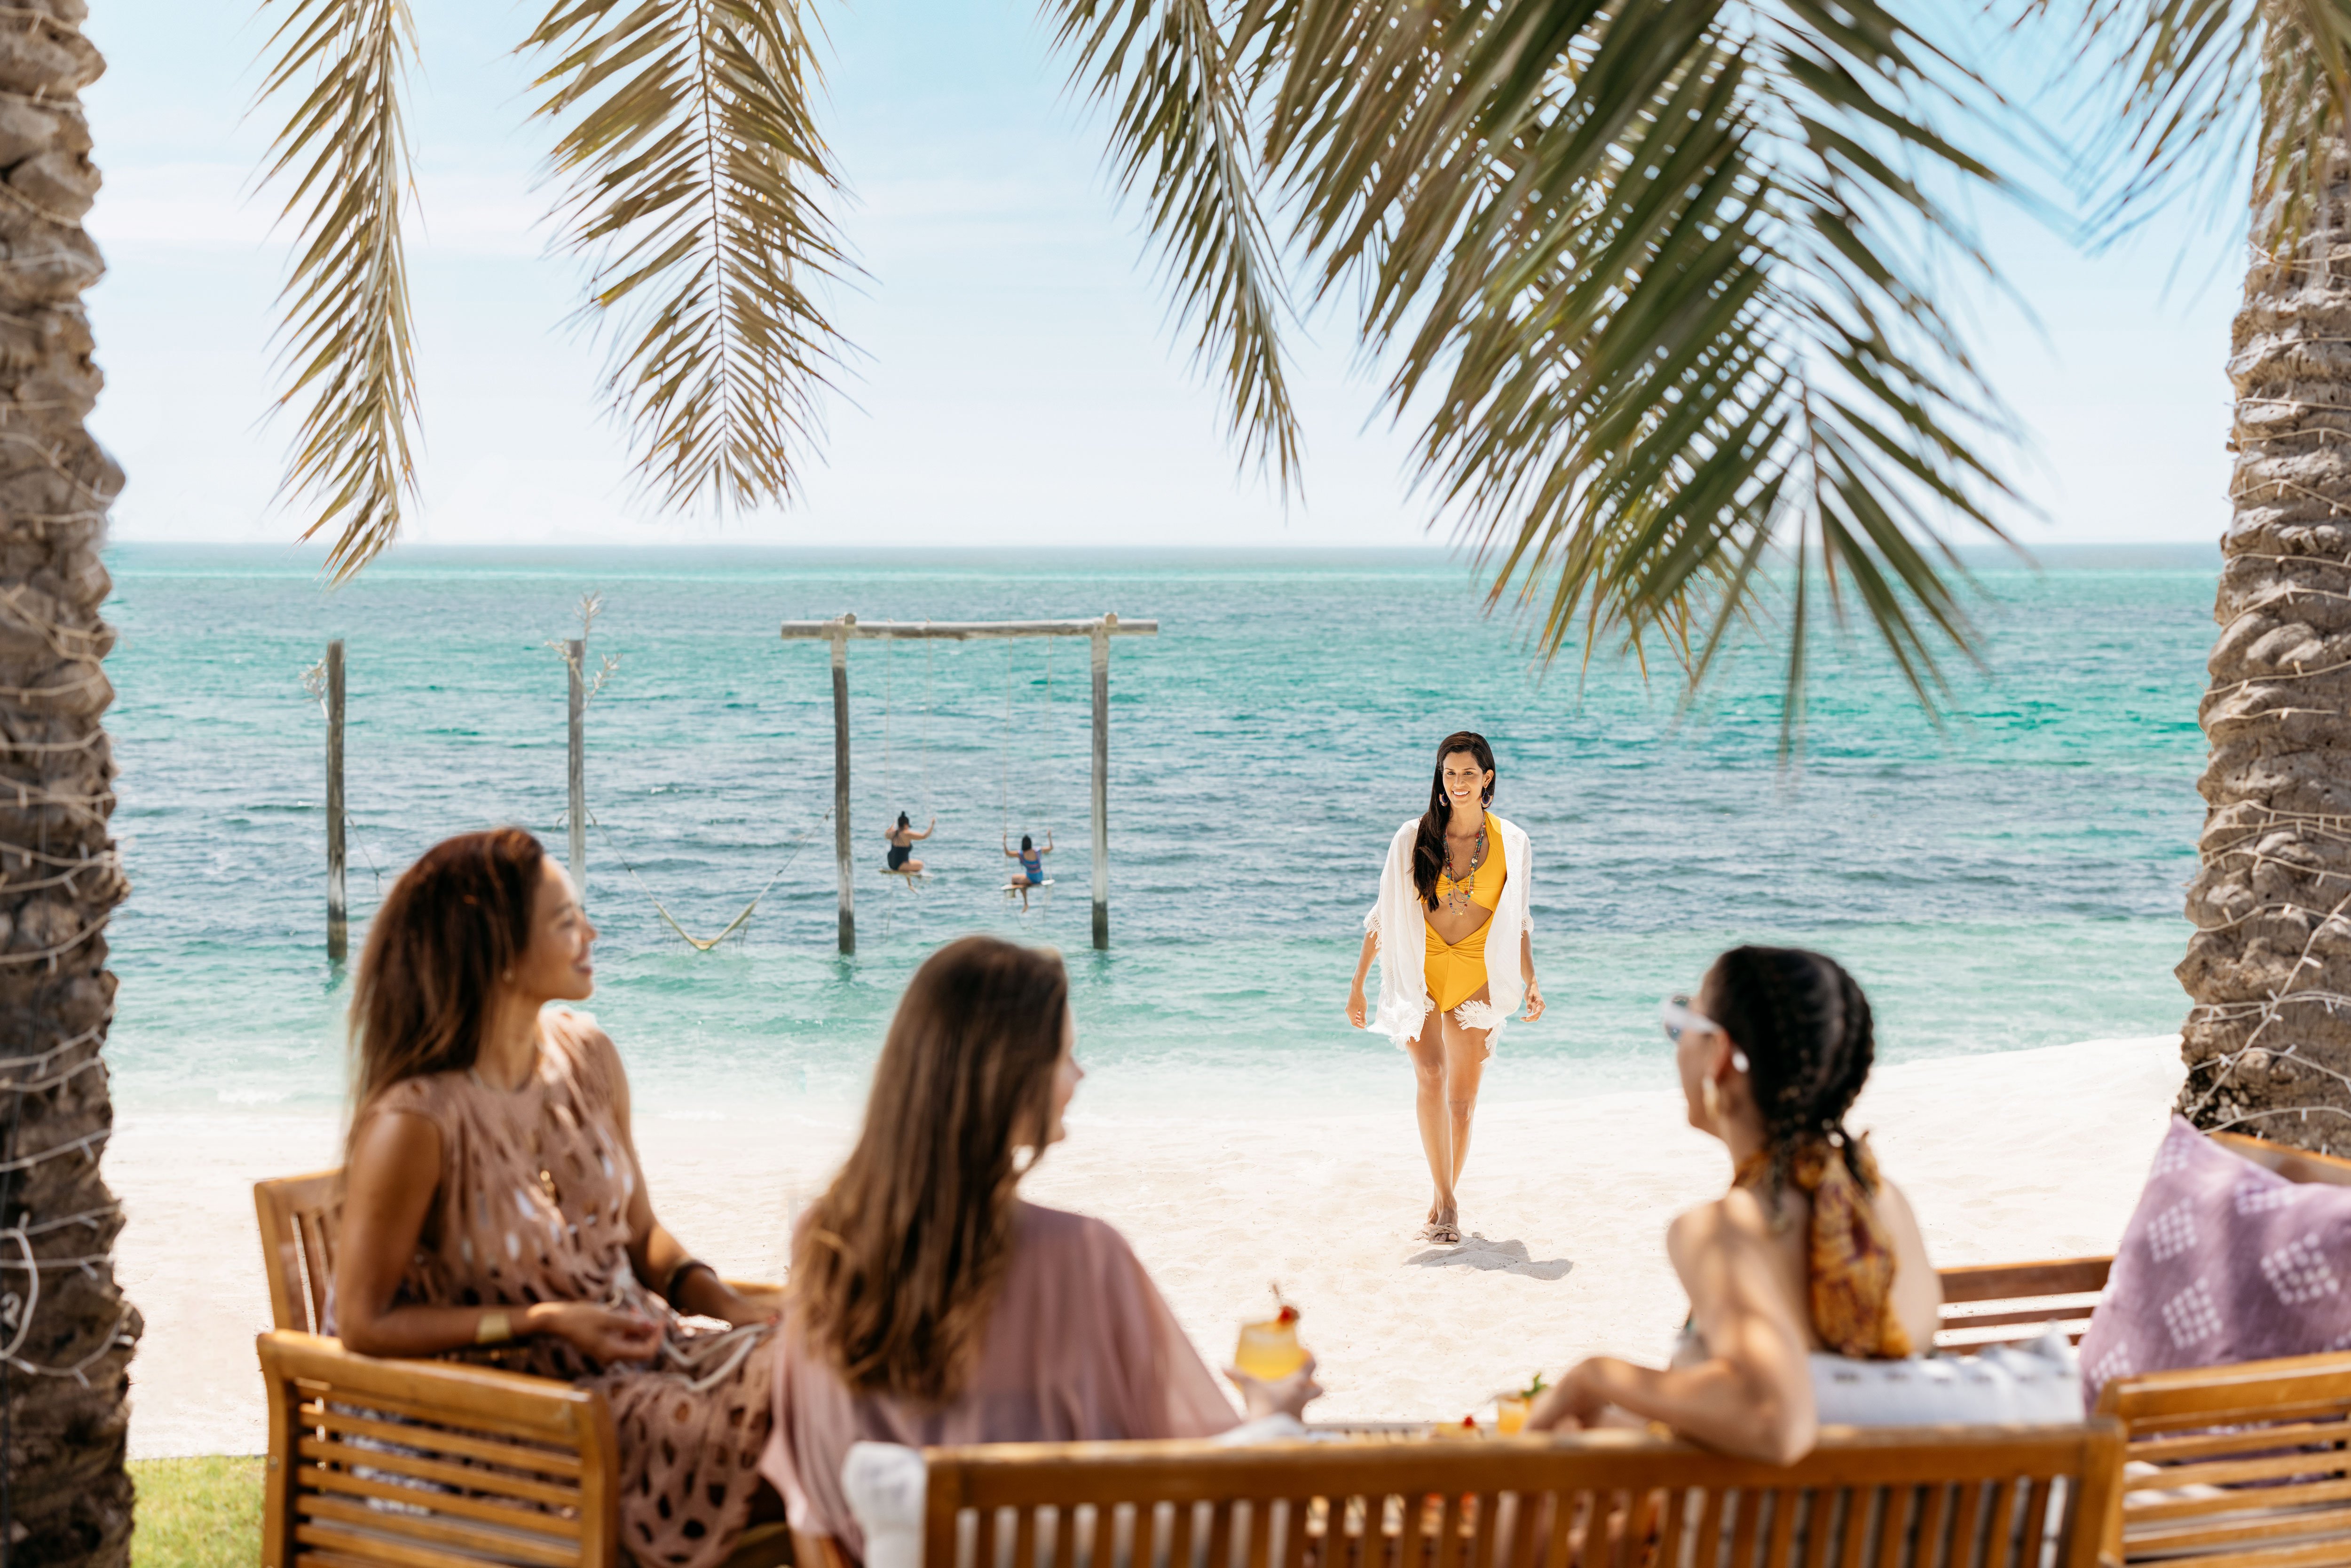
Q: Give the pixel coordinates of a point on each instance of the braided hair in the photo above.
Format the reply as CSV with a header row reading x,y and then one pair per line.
x,y
1805,1028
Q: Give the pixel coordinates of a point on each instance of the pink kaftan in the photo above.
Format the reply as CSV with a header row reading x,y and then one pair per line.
x,y
1078,1346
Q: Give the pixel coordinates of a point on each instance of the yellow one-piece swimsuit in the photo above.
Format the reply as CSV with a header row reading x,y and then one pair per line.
x,y
1456,970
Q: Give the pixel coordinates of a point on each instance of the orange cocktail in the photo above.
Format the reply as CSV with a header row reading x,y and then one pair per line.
x,y
1270,1351
1511,1410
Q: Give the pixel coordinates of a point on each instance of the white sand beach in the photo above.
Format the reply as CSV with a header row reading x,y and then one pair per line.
x,y
2031,1154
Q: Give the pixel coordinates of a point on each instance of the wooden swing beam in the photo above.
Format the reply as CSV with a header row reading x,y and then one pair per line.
x,y
842,629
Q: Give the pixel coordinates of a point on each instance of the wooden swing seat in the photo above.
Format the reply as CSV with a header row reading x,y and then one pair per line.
x,y
378,1462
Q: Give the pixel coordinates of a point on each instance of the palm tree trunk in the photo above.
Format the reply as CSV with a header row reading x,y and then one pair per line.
x,y
2268,1040
66,1330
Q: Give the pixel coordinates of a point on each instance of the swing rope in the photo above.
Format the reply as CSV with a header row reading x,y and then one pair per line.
x,y
696,943
1004,756
1003,749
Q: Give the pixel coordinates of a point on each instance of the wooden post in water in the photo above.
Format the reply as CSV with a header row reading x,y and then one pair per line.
x,y
339,921
840,783
575,655
1103,628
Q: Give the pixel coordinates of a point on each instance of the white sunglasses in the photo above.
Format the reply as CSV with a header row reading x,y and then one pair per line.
x,y
1680,1019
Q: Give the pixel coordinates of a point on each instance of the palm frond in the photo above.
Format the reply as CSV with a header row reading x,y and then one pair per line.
x,y
344,348
696,179
1660,280
1182,117
2199,81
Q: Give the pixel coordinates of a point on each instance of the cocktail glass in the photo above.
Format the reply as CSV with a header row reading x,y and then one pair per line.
x,y
1270,1351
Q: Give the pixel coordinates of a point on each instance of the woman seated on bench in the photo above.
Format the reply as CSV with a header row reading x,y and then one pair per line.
x,y
1809,1250
492,1206
930,1304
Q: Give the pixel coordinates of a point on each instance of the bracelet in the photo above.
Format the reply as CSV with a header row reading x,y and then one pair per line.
x,y
494,1327
677,1277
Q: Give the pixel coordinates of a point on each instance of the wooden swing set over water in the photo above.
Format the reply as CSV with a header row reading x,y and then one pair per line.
x,y
842,629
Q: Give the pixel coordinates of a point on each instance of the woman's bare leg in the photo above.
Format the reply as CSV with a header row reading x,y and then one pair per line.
x,y
1427,1053
1465,1051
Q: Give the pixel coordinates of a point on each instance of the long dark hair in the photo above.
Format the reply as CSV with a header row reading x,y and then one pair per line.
x,y
1429,850
1805,1027
450,927
900,1261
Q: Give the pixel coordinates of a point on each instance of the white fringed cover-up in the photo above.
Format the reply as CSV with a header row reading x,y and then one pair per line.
x,y
1402,961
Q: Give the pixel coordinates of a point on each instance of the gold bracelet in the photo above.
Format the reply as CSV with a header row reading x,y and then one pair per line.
x,y
495,1328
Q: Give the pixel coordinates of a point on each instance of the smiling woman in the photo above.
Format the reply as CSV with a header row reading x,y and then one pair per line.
x,y
495,1208
1468,871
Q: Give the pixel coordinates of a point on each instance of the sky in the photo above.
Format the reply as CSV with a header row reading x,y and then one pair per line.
x,y
1018,380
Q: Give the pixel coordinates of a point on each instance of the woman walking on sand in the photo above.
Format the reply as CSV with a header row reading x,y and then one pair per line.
x,y
1459,876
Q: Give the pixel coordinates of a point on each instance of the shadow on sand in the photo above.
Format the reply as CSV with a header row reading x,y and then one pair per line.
x,y
1477,1252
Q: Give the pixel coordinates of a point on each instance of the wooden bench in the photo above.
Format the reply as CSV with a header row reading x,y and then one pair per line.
x,y
1949,1497
419,1463
2230,1466
2004,1304
2236,1467
2239,1467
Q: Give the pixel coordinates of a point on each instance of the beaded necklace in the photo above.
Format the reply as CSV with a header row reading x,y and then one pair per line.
x,y
1460,895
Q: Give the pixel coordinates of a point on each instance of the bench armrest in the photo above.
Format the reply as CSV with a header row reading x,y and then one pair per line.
x,y
470,1460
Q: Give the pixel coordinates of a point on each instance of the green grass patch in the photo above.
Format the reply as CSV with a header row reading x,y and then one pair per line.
x,y
197,1513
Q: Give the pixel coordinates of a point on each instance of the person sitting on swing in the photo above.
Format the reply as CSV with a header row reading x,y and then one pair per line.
x,y
1032,866
901,839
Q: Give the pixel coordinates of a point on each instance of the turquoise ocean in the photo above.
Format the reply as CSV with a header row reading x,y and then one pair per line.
x,y
2008,880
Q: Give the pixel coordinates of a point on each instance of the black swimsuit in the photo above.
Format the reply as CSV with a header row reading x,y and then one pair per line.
x,y
900,854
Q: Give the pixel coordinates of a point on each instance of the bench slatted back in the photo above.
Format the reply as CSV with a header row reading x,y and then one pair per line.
x,y
300,1217
1928,1498
2002,1303
2236,1467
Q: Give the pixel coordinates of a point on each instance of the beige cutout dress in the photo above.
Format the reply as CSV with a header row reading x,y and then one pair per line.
x,y
533,1207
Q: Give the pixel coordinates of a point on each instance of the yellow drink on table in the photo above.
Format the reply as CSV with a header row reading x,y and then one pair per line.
x,y
1270,1351
1511,1410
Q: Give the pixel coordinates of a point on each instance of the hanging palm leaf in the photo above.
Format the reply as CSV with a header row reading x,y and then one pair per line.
x,y
345,344
1660,280
2185,89
696,176
1182,116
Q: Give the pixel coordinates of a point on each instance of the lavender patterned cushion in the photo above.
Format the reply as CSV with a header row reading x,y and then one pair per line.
x,y
2222,1261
